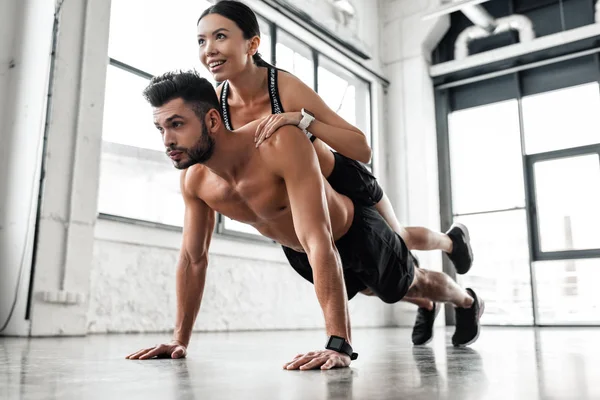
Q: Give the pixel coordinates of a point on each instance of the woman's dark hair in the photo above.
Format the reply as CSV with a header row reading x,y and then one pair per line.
x,y
244,18
195,91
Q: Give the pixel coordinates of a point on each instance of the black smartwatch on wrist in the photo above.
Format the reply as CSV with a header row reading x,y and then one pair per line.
x,y
340,345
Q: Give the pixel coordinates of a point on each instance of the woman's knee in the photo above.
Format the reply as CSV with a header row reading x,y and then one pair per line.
x,y
414,238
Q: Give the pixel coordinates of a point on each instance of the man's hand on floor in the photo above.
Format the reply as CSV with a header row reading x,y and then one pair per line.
x,y
174,349
323,359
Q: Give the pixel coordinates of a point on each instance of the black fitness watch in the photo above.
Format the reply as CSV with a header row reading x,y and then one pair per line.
x,y
340,345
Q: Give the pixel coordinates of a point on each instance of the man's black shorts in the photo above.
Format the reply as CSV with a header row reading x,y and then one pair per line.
x,y
353,179
373,256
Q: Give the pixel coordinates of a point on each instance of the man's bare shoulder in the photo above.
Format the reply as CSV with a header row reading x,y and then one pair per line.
x,y
191,179
287,144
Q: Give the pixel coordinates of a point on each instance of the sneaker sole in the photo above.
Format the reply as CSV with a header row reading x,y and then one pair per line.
x,y
468,237
478,329
437,311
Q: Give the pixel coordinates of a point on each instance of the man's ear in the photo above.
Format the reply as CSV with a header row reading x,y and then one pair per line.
x,y
213,120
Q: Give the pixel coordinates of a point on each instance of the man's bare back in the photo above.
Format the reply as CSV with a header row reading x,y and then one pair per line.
x,y
254,194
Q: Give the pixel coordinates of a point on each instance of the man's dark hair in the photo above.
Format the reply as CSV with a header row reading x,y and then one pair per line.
x,y
244,18
195,91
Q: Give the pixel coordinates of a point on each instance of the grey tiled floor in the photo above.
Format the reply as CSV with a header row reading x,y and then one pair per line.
x,y
505,363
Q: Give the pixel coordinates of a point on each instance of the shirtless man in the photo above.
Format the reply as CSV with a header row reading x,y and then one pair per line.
x,y
278,188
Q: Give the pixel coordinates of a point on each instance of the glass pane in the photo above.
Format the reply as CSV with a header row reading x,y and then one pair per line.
x,y
485,158
232,225
149,36
136,186
295,58
568,203
265,40
562,118
346,94
567,291
500,271
127,115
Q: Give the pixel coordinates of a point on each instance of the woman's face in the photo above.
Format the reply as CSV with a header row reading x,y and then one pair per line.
x,y
223,49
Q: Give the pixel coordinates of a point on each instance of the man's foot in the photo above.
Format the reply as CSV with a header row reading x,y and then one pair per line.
x,y
423,330
467,322
462,254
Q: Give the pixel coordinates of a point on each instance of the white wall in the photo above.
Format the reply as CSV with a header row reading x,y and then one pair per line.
x,y
25,47
74,88
413,185
249,286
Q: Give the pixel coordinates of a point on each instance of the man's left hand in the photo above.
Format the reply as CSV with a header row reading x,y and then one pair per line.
x,y
323,359
270,124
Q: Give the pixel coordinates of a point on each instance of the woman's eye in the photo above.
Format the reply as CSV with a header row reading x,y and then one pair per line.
x,y
200,42
220,36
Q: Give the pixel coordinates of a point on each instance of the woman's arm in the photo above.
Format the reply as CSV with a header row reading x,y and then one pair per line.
x,y
327,126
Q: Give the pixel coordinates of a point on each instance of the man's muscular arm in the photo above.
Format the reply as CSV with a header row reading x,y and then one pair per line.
x,y
198,225
292,156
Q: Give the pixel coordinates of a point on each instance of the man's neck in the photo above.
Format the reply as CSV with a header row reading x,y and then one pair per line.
x,y
249,85
231,154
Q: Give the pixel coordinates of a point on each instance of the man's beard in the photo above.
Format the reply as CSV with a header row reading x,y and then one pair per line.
x,y
199,153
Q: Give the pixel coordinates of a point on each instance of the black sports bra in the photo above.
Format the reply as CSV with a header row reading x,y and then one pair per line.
x,y
276,107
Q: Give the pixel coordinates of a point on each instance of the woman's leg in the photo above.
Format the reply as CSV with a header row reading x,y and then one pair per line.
x,y
456,243
416,238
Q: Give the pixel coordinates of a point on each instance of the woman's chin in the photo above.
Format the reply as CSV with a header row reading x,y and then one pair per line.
x,y
220,76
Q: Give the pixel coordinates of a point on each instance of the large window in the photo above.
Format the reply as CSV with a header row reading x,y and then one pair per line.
x,y
524,158
488,196
346,94
295,57
137,179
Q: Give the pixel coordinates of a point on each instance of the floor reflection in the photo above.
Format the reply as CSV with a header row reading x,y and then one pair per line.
x,y
517,363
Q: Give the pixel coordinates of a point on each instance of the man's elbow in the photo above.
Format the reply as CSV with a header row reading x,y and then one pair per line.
x,y
319,248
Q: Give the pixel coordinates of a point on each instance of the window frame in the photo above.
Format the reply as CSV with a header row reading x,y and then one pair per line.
x,y
533,220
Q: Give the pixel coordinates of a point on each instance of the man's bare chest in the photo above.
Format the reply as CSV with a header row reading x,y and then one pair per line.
x,y
256,198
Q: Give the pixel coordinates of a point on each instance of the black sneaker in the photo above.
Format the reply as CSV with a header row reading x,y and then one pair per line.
x,y
462,254
423,330
467,322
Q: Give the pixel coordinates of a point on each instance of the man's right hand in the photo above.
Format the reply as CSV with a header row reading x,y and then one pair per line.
x,y
174,349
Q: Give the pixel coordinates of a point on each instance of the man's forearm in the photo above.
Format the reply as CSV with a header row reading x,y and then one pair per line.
x,y
331,293
190,287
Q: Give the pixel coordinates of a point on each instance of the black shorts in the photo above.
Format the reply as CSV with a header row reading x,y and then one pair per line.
x,y
353,179
373,256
